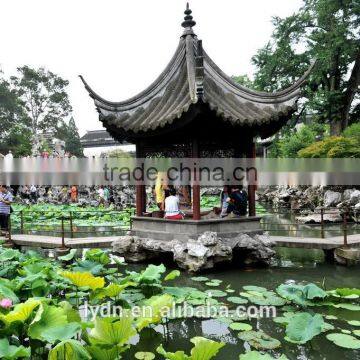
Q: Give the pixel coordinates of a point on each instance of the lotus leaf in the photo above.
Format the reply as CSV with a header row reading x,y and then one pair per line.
x,y
21,311
240,326
172,275
344,340
256,355
144,356
259,340
254,288
216,293
302,327
112,331
354,322
9,352
69,349
199,279
237,300
84,279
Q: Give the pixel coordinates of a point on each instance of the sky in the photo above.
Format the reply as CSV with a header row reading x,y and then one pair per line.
x,y
120,47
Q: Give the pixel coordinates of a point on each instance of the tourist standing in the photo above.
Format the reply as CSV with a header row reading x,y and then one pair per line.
x,y
106,194
101,195
33,194
6,199
74,194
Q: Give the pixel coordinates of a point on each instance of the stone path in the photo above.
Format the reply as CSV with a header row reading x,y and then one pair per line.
x,y
316,243
105,242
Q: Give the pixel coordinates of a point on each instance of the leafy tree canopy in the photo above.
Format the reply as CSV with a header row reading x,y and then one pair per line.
x,y
326,30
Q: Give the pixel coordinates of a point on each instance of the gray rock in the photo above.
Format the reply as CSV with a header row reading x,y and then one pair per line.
x,y
355,197
205,252
331,198
315,218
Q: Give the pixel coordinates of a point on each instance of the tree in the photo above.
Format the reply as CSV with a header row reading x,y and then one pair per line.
x,y
14,133
44,97
326,30
17,140
72,140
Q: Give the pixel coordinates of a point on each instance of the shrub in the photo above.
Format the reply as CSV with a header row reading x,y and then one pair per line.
x,y
353,131
332,147
292,143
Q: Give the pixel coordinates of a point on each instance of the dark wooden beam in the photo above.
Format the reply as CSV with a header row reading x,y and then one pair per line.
x,y
251,154
196,184
140,187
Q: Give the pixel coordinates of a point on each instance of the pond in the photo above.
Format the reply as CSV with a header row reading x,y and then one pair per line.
x,y
296,265
283,223
291,266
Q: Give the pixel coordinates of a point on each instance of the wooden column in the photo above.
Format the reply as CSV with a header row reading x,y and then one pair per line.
x,y
196,184
140,187
251,154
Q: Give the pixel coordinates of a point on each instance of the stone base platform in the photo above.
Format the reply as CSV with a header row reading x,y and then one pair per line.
x,y
167,230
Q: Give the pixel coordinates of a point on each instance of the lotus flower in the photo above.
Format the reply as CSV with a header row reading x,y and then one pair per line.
x,y
6,303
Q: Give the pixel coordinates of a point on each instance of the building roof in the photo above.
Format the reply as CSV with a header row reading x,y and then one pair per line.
x,y
95,138
193,79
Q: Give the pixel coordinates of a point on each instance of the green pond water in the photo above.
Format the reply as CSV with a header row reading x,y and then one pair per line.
x,y
290,265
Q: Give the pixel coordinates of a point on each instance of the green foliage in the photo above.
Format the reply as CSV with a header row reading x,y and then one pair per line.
x,y
302,327
332,147
69,349
244,81
353,132
9,352
259,340
72,140
300,294
48,216
52,326
256,355
325,30
344,340
291,142
203,349
43,95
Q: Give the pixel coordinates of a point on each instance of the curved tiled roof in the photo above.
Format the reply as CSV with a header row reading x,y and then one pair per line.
x,y
192,77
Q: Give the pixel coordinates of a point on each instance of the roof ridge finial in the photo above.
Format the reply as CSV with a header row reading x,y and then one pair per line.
x,y
188,19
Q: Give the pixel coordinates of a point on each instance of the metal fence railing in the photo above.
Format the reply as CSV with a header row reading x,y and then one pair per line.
x,y
67,229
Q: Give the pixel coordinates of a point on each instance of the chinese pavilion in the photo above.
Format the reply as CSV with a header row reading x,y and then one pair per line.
x,y
193,109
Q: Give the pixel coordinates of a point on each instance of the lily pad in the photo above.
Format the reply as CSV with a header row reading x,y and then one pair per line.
x,y
354,323
200,279
254,288
240,326
344,331
331,317
212,284
266,298
237,300
259,340
216,293
256,355
346,306
344,340
356,332
144,355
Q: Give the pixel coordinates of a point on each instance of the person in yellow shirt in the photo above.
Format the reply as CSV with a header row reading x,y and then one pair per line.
x,y
159,191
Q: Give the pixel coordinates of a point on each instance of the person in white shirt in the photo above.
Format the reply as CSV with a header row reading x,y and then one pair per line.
x,y
172,211
101,194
